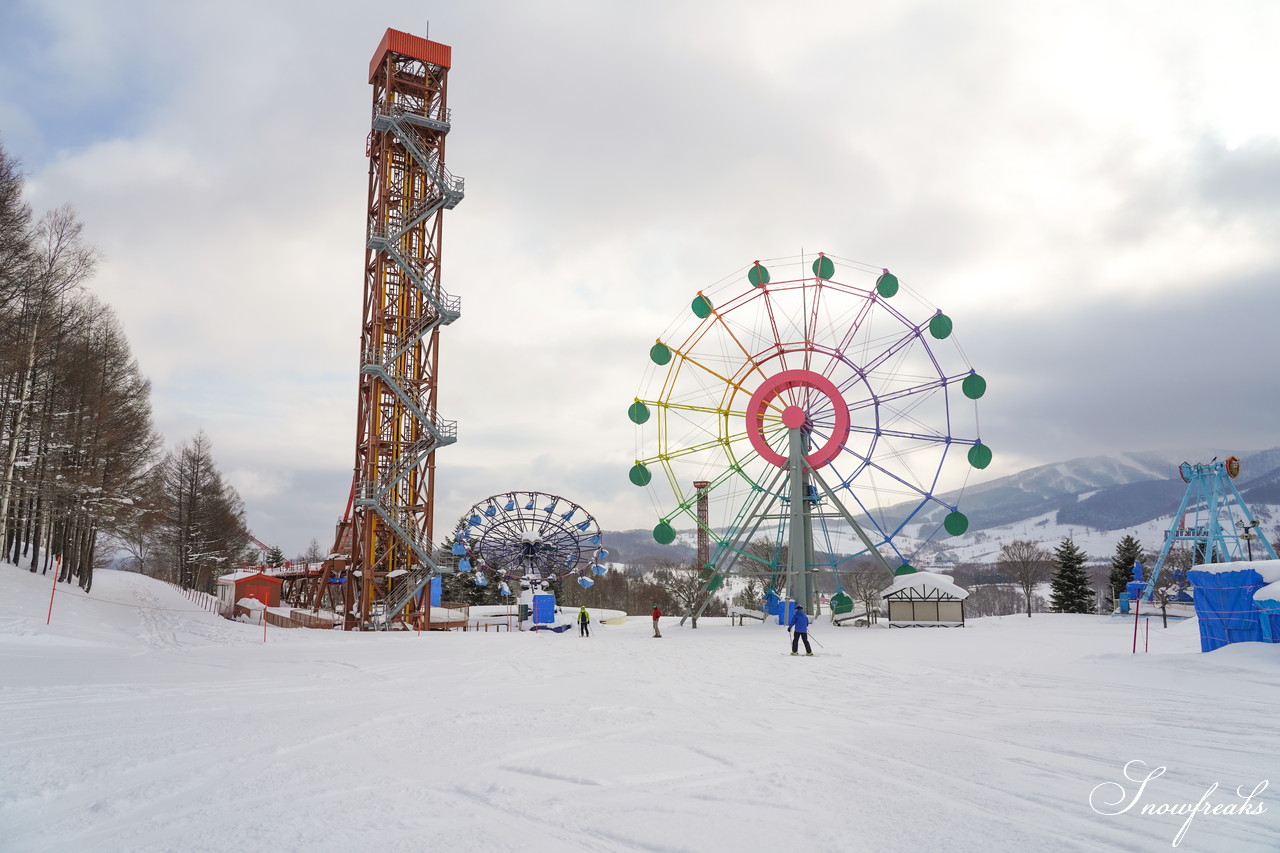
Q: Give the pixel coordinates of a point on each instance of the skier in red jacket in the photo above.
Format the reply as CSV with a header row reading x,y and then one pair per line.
x,y
657,614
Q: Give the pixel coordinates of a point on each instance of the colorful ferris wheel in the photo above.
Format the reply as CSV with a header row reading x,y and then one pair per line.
x,y
822,395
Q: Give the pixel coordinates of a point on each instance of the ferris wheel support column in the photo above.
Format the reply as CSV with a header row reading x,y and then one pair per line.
x,y
799,528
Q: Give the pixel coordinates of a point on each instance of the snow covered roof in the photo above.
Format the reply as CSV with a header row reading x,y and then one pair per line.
x,y
235,577
251,604
925,582
1269,569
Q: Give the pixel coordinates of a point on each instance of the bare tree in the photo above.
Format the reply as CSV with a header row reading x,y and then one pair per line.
x,y
1172,579
767,560
863,580
313,554
1026,564
993,599
686,587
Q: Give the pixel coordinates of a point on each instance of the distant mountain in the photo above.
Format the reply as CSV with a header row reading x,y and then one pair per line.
x,y
1095,500
637,547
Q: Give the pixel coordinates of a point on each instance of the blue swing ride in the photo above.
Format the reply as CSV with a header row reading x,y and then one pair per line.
x,y
529,538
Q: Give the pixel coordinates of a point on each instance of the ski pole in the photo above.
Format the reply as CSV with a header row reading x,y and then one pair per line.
x,y
815,639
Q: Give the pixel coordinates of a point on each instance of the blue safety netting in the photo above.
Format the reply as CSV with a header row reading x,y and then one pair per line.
x,y
1225,608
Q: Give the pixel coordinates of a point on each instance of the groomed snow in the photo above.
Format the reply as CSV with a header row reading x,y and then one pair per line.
x,y
138,722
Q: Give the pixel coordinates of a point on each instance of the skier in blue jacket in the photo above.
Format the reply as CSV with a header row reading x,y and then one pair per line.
x,y
800,624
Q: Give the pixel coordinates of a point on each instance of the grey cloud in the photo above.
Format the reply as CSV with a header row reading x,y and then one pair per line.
x,y
619,161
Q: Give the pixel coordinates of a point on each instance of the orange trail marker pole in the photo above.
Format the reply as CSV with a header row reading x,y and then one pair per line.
x,y
57,569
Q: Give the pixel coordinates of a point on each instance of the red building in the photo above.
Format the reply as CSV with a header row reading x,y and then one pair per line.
x,y
237,586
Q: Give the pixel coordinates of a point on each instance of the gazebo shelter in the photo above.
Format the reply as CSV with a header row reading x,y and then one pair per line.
x,y
924,600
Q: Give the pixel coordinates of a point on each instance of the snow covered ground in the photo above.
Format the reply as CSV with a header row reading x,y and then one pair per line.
x,y
137,722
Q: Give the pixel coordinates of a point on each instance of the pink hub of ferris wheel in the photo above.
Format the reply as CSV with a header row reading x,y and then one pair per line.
x,y
806,394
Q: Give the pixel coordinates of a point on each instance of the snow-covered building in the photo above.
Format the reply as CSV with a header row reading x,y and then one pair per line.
x,y
255,585
924,600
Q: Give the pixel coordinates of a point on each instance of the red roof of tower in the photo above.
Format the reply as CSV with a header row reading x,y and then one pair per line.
x,y
410,45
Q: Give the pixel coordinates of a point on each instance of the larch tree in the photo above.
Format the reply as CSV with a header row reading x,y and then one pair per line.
x,y
58,263
109,443
15,240
202,529
1070,591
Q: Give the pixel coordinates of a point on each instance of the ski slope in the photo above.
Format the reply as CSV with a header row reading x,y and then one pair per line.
x,y
134,722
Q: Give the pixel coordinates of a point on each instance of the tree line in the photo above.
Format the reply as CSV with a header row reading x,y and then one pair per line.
x,y
84,477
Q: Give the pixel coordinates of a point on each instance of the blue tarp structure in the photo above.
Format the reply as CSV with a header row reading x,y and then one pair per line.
x,y
785,609
544,608
1226,611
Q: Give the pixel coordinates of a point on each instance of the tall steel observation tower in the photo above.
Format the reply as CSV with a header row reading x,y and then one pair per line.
x,y
405,308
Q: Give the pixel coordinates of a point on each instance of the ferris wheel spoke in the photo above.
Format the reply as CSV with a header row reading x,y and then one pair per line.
x,y
925,437
690,450
747,356
855,325
878,400
866,462
776,339
871,367
869,512
811,323
685,358
689,407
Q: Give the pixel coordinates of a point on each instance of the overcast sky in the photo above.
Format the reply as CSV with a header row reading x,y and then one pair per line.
x,y
1091,190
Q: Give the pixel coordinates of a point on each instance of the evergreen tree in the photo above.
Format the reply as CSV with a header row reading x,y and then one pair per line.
x,y
1070,592
275,557
1127,551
